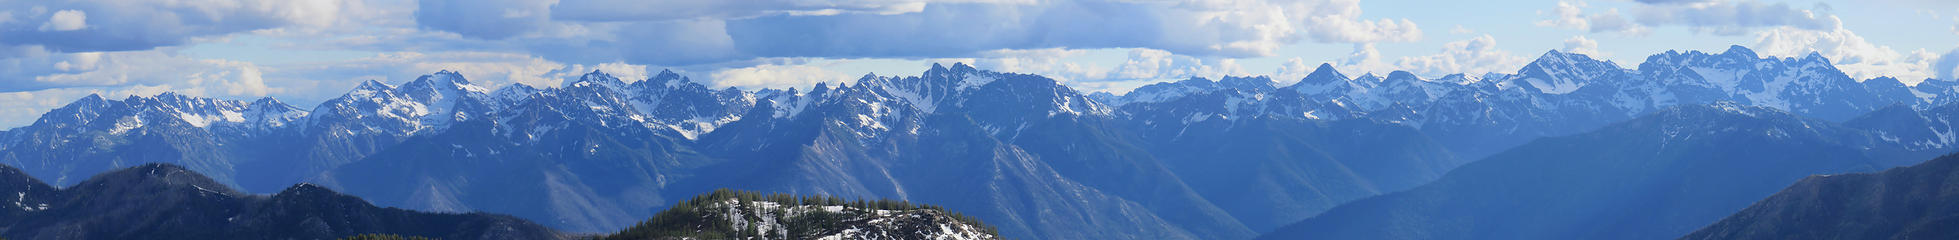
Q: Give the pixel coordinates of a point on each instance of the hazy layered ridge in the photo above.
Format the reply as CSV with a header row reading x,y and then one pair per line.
x,y
1658,176
1186,159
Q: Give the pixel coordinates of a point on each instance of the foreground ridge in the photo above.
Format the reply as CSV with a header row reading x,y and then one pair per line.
x,y
1914,202
730,214
163,201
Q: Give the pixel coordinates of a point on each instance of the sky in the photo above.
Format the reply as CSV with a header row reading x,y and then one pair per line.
x,y
306,51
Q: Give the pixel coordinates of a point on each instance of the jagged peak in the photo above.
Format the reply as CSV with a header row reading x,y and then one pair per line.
x,y
92,97
264,102
90,101
941,70
666,79
962,67
171,94
1740,51
1553,54
1885,81
1817,57
1247,82
870,80
666,74
936,69
373,85
517,87
1557,58
1323,74
596,77
443,77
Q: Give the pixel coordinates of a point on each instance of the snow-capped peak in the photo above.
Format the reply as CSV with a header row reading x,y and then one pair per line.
x,y
1562,73
373,85
1738,51
1324,74
597,78
668,79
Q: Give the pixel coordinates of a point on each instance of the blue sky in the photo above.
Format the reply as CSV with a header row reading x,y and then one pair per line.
x,y
305,51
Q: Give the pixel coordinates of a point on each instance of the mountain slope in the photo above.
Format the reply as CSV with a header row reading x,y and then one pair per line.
x,y
933,139
160,201
1915,202
1658,176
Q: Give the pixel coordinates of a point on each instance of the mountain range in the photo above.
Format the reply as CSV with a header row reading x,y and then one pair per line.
x,y
1191,159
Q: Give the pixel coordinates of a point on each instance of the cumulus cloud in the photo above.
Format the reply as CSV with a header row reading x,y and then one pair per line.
x,y
106,25
1572,15
40,69
1365,58
1050,62
1671,1
1159,64
1851,53
1947,67
1581,45
1736,17
66,20
1471,56
660,10
705,32
1294,70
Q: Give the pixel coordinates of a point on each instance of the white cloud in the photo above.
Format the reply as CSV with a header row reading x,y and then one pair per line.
x,y
1364,59
662,10
778,77
1472,56
1294,70
1146,63
1735,17
1582,45
95,70
1459,29
1050,62
1850,52
1947,66
1672,1
111,25
66,20
1572,15
1567,14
